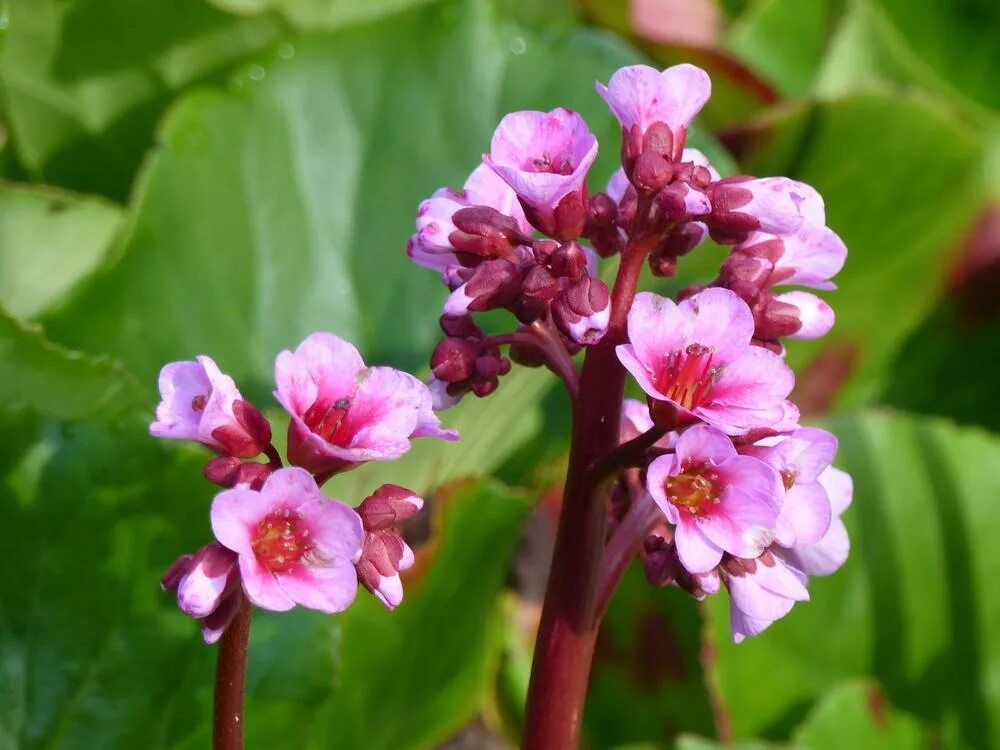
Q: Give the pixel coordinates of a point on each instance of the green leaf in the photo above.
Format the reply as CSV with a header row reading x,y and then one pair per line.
x,y
49,379
84,81
782,40
856,715
283,205
877,192
322,15
915,605
49,242
700,743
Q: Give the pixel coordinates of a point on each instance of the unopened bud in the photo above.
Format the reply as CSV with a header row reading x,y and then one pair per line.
x,y
460,326
388,506
659,139
652,171
453,359
539,282
583,310
569,261
570,216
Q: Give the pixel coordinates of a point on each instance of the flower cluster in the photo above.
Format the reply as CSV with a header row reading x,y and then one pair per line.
x,y
747,497
279,540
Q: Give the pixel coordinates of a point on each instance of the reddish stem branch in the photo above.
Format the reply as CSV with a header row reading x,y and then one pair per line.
x,y
230,679
641,518
568,629
543,339
627,454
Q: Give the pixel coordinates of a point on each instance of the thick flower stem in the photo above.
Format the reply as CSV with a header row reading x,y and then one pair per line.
x,y
230,678
568,629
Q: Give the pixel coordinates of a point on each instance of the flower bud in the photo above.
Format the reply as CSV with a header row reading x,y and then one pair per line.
x,y
453,359
651,171
569,261
583,310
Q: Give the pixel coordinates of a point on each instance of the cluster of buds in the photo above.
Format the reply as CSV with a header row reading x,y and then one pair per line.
x,y
279,541
742,496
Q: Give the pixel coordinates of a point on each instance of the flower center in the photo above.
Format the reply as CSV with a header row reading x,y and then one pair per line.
x,y
328,420
199,402
787,479
687,376
281,540
560,164
694,489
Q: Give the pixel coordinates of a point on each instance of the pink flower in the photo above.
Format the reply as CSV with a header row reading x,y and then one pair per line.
x,y
760,592
200,403
544,157
799,458
207,586
718,500
295,546
815,315
639,96
697,356
829,553
343,412
385,553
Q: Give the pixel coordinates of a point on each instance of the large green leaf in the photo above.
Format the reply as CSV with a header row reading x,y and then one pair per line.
x,y
49,379
321,14
915,606
49,242
84,81
901,204
282,205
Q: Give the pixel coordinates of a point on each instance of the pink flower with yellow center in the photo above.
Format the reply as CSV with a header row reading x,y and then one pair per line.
x,y
718,500
295,546
697,356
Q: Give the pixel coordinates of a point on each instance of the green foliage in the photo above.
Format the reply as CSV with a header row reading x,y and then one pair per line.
x,y
50,241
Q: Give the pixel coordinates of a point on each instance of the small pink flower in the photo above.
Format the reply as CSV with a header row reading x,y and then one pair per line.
x,y
760,592
799,458
207,586
201,403
343,412
718,500
295,546
544,157
697,356
639,96
829,553
385,553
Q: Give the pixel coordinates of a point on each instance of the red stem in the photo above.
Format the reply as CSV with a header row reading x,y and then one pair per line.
x,y
565,646
230,679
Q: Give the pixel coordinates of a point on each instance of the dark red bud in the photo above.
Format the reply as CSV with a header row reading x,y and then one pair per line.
x,y
569,261
253,474
661,564
774,319
233,440
495,283
539,282
461,326
543,249
671,202
176,572
700,177
487,222
480,246
570,216
453,359
668,416
528,309
603,210
662,264
387,507
651,172
221,470
658,139
255,423
628,207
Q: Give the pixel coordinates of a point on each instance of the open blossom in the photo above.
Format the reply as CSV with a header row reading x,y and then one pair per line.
x,y
718,500
294,545
697,356
640,96
764,590
544,157
343,412
201,403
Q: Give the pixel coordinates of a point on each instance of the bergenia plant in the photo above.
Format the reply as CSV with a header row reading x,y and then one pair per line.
x,y
711,482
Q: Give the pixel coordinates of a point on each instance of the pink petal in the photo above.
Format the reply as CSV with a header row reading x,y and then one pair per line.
x,y
485,188
235,515
659,470
389,591
384,413
260,586
696,552
744,520
743,626
720,320
839,488
327,588
180,383
334,528
824,557
656,327
813,255
759,379
699,159
751,599
201,590
643,376
641,95
702,443
617,185
323,365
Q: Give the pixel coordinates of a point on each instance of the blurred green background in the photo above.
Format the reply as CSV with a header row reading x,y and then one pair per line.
x,y
226,176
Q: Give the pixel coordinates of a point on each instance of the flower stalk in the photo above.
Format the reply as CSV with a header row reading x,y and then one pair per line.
x,y
230,681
